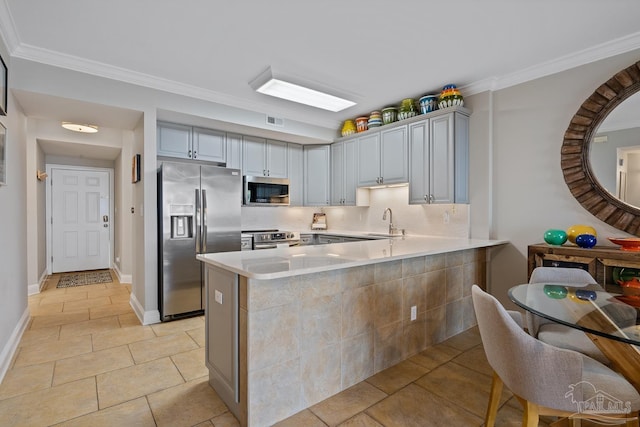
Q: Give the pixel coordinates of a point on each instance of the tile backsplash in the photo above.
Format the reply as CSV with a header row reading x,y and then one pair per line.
x,y
450,220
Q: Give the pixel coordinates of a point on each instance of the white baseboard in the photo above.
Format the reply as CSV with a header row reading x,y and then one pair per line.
x,y
37,287
11,346
145,317
122,278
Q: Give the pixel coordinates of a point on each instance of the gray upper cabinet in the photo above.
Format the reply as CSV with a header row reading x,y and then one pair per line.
x,y
209,145
383,157
439,159
317,170
296,175
261,157
174,140
187,142
344,172
234,151
394,156
369,160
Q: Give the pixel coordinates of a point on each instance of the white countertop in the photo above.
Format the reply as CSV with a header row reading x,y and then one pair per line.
x,y
297,260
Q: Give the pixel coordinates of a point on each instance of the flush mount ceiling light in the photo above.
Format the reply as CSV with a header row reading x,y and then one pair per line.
x,y
285,87
80,128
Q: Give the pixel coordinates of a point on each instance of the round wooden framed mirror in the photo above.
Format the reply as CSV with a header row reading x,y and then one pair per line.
x,y
574,158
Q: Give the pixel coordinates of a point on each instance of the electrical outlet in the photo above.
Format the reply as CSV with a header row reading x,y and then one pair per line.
x,y
414,312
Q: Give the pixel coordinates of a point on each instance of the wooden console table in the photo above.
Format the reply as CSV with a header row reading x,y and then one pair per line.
x,y
599,261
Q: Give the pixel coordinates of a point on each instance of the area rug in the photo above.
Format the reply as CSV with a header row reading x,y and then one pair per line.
x,y
84,278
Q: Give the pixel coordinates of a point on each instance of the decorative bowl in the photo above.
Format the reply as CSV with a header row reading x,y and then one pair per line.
x,y
555,237
406,114
428,103
450,101
577,229
389,115
626,243
348,128
586,240
362,124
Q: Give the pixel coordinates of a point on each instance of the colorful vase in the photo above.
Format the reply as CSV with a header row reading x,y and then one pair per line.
x,y
348,128
578,229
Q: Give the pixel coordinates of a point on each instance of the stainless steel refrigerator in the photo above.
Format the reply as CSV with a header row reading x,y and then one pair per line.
x,y
198,212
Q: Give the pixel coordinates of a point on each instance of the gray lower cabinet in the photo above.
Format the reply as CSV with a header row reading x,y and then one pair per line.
x,y
323,240
222,334
439,159
316,179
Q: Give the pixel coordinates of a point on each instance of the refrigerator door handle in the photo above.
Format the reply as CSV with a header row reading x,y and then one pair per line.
x,y
198,230
204,221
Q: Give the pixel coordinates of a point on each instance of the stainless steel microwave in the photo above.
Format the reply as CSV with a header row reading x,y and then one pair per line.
x,y
266,191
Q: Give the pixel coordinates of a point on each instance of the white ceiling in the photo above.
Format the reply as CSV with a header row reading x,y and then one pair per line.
x,y
377,52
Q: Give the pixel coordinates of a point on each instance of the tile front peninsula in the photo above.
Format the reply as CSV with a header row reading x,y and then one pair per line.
x,y
305,323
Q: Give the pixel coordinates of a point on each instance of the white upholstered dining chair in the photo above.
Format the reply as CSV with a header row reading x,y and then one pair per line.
x,y
545,379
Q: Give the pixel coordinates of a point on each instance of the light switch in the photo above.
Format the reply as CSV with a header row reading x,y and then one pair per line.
x,y
218,296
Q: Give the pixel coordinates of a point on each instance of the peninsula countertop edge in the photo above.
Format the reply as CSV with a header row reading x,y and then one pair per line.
x,y
266,264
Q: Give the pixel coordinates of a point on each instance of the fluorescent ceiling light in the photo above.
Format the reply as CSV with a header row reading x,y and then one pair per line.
x,y
80,128
267,84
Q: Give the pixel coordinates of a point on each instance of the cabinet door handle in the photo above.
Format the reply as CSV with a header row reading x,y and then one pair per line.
x,y
195,154
430,198
189,154
268,172
264,172
425,197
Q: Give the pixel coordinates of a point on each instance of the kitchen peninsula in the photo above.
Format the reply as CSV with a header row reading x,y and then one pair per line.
x,y
290,327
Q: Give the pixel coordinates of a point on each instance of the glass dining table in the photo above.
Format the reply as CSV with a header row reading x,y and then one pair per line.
x,y
609,320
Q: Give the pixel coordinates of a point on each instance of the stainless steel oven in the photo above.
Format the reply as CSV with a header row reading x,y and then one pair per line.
x,y
274,239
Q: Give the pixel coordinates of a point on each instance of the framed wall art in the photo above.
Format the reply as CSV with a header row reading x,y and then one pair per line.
x,y
3,155
3,87
135,168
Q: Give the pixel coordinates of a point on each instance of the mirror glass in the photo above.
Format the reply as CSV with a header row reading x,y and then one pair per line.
x,y
615,152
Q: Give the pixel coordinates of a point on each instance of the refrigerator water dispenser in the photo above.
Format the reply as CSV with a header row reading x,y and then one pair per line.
x,y
181,221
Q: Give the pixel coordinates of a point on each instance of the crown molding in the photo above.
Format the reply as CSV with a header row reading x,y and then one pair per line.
x,y
586,56
8,31
100,69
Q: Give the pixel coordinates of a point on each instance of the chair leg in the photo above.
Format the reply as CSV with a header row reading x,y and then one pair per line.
x,y
530,417
494,401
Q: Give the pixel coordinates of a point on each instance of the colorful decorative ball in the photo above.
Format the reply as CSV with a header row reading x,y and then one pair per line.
x,y
578,229
586,240
555,237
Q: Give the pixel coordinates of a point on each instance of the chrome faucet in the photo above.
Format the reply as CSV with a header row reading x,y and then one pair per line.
x,y
384,218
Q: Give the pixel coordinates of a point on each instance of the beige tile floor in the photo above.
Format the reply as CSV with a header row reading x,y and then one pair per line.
x,y
85,360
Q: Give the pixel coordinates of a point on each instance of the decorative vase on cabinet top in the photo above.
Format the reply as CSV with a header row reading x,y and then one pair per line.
x,y
389,115
348,128
428,103
450,96
362,124
407,109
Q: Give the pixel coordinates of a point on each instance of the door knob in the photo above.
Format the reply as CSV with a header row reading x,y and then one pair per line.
x,y
105,218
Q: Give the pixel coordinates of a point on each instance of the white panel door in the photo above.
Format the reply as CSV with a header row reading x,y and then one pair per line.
x,y
80,223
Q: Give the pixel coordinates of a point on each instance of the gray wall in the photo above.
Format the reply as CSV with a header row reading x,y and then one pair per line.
x,y
528,189
13,230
